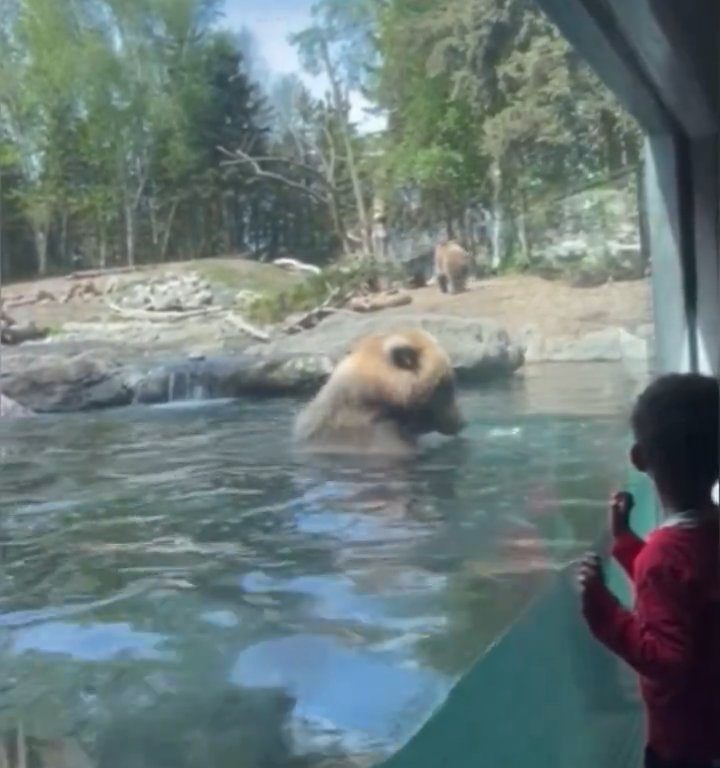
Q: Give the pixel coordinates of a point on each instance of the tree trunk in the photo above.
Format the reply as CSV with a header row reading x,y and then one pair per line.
x,y
41,249
154,231
130,234
341,110
522,229
357,192
449,229
168,230
103,249
64,216
497,217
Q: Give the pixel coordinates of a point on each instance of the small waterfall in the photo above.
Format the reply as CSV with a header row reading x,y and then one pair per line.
x,y
189,381
187,384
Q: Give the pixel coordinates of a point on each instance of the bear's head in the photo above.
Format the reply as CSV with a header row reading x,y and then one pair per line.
x,y
388,390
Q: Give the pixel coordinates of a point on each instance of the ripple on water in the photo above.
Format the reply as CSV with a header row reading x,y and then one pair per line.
x,y
173,559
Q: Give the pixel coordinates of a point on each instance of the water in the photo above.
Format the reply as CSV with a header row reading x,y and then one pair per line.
x,y
179,589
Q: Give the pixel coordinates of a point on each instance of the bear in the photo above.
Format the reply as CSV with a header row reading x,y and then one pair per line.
x,y
452,266
389,390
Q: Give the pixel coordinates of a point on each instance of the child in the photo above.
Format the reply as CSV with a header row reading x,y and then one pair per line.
x,y
672,636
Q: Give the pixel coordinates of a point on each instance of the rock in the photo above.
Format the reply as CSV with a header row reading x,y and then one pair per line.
x,y
479,349
232,377
9,409
606,345
54,382
67,380
19,334
169,293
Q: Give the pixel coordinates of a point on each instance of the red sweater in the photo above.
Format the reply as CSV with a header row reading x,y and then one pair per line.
x,y
672,636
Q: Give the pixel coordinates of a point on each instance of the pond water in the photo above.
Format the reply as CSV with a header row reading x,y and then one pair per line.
x,y
179,589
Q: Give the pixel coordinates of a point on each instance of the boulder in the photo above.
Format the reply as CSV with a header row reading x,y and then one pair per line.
x,y
169,293
62,379
232,377
479,349
55,382
613,344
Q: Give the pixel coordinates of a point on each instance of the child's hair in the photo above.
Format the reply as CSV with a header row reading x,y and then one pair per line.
x,y
676,422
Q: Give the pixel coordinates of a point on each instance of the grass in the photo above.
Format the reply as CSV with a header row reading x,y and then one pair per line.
x,y
244,275
310,292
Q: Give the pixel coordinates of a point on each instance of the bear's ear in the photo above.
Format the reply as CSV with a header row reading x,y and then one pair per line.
x,y
402,354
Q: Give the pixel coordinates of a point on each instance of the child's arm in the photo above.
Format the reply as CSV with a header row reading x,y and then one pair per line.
x,y
655,638
627,545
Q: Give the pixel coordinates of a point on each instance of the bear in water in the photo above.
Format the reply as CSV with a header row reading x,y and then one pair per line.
x,y
390,389
452,266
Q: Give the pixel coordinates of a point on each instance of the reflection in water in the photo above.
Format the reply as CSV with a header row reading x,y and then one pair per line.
x,y
179,589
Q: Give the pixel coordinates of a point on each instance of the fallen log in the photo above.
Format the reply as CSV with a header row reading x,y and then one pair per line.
x,y
242,325
168,316
311,318
378,303
299,266
21,301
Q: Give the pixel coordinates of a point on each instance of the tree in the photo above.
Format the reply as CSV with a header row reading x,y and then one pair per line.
x,y
489,88
338,45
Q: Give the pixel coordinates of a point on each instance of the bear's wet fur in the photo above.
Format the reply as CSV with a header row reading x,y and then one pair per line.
x,y
389,389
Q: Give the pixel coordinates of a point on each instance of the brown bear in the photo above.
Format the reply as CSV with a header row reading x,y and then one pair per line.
x,y
389,389
452,266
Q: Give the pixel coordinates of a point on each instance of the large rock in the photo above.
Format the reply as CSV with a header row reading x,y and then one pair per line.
x,y
479,349
612,344
231,377
54,382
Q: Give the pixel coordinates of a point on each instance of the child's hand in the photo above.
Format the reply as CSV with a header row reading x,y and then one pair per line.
x,y
621,505
590,573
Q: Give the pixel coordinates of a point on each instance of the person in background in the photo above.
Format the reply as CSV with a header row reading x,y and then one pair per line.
x,y
671,637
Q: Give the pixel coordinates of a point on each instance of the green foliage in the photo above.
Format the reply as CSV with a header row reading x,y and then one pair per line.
x,y
116,117
488,104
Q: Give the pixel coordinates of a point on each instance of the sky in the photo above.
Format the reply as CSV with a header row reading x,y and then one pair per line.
x,y
271,22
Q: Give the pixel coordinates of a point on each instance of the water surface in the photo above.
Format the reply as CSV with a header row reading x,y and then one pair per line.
x,y
179,589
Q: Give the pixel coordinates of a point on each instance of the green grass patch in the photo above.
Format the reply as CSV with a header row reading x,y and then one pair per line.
x,y
244,275
342,279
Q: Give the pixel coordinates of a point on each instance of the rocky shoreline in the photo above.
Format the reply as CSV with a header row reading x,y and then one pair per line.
x,y
57,376
153,338
74,375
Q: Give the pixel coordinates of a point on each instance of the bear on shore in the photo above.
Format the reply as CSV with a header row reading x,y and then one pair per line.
x,y
452,266
390,389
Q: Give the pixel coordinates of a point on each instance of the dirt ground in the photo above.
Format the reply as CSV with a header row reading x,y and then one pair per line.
x,y
516,301
556,309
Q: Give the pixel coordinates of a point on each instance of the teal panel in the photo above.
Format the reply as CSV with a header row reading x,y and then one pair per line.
x,y
545,695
